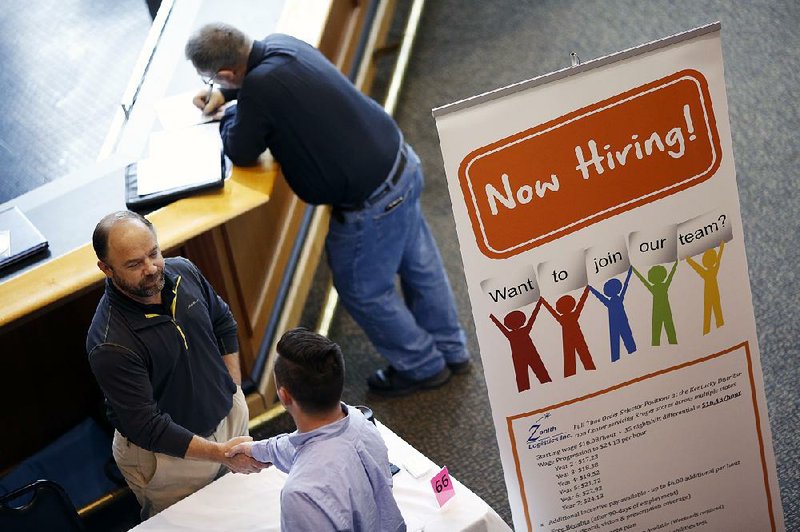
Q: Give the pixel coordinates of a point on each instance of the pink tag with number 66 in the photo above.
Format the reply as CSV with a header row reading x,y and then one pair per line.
x,y
443,486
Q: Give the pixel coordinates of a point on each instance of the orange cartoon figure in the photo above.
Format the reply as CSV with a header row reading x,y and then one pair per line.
x,y
567,314
708,271
523,353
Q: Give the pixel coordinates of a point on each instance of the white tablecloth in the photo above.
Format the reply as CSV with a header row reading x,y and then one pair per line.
x,y
252,502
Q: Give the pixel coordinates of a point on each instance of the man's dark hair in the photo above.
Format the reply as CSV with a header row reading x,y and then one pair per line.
x,y
311,368
216,46
103,227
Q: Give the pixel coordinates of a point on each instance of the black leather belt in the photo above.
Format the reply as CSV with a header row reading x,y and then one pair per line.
x,y
381,190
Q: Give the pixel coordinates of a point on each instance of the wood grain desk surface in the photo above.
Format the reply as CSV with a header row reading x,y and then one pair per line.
x,y
76,271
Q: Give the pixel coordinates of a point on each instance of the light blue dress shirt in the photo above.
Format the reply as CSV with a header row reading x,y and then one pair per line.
x,y
339,477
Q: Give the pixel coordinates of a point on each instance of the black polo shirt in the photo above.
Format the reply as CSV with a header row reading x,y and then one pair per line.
x,y
160,366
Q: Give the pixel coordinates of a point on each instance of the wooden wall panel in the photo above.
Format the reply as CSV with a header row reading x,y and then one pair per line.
x,y
46,385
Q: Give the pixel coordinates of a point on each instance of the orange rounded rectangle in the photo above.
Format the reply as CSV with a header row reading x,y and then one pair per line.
x,y
596,162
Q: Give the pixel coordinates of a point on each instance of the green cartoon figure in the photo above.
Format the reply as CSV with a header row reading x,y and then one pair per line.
x,y
708,271
658,283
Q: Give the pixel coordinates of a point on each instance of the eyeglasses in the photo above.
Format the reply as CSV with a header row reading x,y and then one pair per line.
x,y
208,79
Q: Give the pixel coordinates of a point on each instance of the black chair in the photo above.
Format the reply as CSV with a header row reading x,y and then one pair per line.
x,y
43,505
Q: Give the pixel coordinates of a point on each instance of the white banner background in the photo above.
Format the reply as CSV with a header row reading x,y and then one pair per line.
x,y
598,489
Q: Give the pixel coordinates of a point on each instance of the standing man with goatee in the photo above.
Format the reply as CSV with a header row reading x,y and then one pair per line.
x,y
163,347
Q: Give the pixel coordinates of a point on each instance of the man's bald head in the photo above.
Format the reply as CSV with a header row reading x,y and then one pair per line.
x,y
103,228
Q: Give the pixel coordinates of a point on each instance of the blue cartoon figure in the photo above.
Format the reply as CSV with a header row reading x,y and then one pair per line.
x,y
613,297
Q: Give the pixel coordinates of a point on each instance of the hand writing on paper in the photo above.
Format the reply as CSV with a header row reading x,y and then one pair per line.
x,y
240,461
211,106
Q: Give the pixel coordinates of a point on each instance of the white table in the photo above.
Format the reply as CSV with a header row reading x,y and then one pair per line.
x,y
252,502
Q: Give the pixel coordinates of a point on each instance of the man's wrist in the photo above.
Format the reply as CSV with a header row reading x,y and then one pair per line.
x,y
203,449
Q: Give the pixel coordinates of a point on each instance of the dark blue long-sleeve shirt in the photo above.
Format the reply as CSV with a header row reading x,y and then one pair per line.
x,y
334,144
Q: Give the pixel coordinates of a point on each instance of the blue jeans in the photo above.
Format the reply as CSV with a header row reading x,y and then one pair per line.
x,y
419,332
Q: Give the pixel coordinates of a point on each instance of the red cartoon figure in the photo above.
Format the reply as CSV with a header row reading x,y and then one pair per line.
x,y
567,314
523,352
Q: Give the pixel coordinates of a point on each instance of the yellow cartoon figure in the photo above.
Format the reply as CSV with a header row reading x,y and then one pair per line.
x,y
708,271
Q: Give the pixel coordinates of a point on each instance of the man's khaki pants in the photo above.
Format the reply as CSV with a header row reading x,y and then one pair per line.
x,y
159,480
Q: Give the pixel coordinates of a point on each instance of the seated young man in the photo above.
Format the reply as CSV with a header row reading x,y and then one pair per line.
x,y
339,477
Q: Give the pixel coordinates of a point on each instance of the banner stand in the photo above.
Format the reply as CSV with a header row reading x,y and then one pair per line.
x,y
599,225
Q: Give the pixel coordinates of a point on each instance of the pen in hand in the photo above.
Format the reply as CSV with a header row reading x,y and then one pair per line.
x,y
208,96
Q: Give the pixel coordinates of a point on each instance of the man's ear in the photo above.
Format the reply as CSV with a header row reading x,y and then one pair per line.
x,y
285,396
105,268
226,75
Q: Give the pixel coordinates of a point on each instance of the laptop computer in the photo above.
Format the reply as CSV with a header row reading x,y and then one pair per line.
x,y
19,238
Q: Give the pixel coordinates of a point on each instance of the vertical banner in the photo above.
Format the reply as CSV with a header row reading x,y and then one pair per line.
x,y
598,217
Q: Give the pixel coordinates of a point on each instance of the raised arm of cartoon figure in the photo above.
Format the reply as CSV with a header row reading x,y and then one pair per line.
x,y
581,301
671,274
695,266
601,297
529,324
625,284
500,325
641,278
550,309
719,255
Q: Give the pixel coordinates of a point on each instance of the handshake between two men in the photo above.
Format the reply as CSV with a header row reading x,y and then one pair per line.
x,y
235,454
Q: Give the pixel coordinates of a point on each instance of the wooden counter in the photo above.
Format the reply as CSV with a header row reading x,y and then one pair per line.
x,y
66,276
